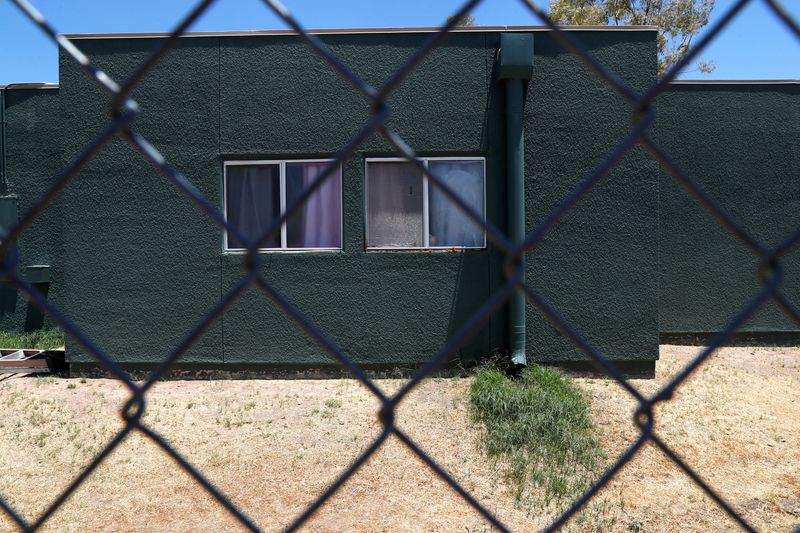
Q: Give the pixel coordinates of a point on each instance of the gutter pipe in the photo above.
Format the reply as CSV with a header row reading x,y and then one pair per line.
x,y
3,179
516,68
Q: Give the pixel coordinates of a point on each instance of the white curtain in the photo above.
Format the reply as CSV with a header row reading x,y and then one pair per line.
x,y
394,205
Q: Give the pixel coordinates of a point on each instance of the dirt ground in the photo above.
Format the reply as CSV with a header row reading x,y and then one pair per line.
x,y
271,446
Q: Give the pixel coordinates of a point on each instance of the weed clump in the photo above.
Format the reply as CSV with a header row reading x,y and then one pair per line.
x,y
539,427
40,339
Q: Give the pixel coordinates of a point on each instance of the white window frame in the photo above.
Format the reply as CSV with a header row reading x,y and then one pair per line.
x,y
282,172
425,205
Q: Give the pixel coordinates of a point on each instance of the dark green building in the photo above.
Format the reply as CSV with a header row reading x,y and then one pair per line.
x,y
379,259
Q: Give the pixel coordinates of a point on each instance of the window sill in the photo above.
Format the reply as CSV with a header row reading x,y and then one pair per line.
x,y
441,250
285,251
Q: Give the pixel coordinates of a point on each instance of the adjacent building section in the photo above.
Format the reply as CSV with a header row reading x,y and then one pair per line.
x,y
31,159
741,141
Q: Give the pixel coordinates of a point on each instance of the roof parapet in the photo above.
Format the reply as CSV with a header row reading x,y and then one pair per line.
x,y
37,85
355,31
735,82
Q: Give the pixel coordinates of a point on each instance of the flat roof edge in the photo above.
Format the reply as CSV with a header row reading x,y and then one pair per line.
x,y
735,82
353,31
30,86
48,85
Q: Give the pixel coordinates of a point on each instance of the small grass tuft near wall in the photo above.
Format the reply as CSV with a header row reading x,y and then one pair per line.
x,y
538,426
42,339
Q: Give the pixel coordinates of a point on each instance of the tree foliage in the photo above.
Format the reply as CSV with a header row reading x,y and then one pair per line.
x,y
678,21
467,20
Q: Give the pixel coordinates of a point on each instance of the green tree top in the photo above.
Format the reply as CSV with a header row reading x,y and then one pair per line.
x,y
678,21
467,20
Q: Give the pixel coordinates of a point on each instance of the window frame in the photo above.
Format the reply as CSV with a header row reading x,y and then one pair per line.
x,y
425,206
282,191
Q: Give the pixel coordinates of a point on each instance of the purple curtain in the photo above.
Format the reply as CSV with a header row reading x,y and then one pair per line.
x,y
252,201
319,222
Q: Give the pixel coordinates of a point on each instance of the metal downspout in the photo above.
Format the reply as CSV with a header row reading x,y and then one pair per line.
x,y
516,68
3,179
515,161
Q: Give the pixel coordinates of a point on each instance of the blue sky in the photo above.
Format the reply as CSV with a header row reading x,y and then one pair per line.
x,y
755,46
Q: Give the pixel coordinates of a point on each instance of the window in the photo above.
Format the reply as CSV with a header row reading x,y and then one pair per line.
x,y
258,192
404,211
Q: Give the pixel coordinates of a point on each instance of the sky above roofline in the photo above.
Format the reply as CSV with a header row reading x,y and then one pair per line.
x,y
755,46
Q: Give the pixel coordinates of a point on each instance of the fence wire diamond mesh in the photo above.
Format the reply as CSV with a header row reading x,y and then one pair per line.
x,y
123,114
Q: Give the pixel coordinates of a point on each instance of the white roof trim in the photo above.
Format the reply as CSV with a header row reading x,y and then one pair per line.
x,y
30,86
354,31
735,82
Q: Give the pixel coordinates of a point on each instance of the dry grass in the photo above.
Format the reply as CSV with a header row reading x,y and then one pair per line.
x,y
273,445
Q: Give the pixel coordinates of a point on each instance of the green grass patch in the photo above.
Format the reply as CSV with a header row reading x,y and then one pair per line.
x,y
538,426
43,339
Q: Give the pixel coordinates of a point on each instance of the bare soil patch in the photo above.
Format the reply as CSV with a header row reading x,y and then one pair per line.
x,y
273,445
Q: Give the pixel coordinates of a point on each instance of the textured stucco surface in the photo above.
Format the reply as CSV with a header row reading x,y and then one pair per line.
x,y
144,265
33,160
597,266
742,143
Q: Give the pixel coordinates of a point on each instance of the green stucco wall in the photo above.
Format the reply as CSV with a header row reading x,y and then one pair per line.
x,y
597,267
143,264
742,143
33,160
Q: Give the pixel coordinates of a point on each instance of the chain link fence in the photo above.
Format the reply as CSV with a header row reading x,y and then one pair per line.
x,y
123,114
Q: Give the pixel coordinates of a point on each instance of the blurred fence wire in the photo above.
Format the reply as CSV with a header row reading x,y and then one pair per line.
x,y
122,118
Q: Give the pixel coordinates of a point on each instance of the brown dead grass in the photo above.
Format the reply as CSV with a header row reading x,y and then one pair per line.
x,y
272,446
